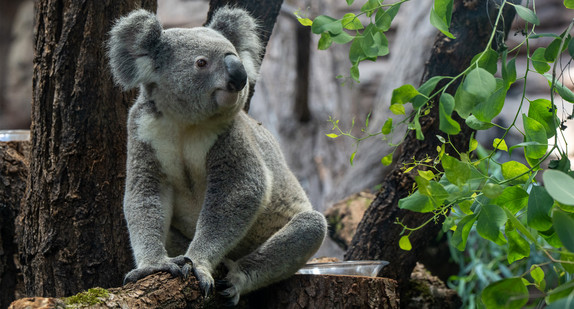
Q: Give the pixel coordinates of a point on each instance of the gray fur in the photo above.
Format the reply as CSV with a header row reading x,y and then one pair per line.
x,y
205,182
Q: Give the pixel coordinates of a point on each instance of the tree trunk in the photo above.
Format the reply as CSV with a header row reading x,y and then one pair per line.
x,y
264,11
300,291
377,236
13,174
73,232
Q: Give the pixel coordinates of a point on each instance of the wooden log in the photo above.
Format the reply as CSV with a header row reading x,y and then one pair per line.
x,y
160,290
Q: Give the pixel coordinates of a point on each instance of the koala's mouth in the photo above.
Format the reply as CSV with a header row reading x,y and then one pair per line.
x,y
224,97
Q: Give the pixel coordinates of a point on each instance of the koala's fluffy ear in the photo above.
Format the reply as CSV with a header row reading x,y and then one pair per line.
x,y
133,41
242,31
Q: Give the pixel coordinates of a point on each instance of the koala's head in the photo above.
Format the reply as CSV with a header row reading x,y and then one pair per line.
x,y
193,74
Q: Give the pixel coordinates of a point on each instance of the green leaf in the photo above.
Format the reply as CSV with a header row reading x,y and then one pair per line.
x,y
369,7
553,50
387,160
560,186
355,72
499,144
403,94
527,14
564,227
479,83
456,171
492,190
571,46
486,110
305,21
350,2
397,109
342,38
513,169
535,132
537,273
507,293
356,53
472,144
351,22
490,220
325,41
539,206
569,4
445,107
332,135
425,90
323,23
375,42
417,202
384,18
518,247
460,235
387,127
352,157
509,72
539,61
512,198
440,17
562,90
488,60
542,111
405,243
476,124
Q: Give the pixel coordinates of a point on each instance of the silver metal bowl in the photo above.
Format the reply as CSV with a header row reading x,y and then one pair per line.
x,y
349,268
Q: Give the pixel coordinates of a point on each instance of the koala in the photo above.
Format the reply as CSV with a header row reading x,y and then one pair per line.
x,y
205,182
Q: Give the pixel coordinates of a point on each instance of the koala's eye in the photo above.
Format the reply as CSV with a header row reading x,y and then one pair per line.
x,y
201,63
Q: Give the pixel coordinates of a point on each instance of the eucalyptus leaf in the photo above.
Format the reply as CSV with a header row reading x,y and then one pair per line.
x,y
512,169
490,220
562,90
527,14
351,22
560,186
460,235
417,202
324,23
539,61
446,106
535,132
384,18
425,90
542,111
518,247
512,198
476,124
456,171
564,227
507,293
403,94
539,206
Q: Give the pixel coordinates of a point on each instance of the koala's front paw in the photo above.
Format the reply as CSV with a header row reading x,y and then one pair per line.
x,y
176,266
205,279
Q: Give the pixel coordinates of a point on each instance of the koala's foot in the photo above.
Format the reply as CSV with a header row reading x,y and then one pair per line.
x,y
231,286
177,267
206,282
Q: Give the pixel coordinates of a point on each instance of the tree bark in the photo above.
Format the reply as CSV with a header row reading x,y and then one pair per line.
x,y
264,11
73,232
13,175
377,236
300,291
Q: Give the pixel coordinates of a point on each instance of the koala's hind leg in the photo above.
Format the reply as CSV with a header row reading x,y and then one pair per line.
x,y
277,258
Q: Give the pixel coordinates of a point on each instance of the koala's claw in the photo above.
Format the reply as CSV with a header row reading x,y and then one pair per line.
x,y
172,266
222,284
206,282
232,294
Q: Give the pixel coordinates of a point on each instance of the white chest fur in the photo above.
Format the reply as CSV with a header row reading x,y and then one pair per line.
x,y
181,151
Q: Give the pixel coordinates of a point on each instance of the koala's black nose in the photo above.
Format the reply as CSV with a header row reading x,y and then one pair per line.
x,y
236,71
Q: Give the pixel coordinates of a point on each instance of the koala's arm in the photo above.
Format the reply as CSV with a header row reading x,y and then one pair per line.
x,y
146,210
238,185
